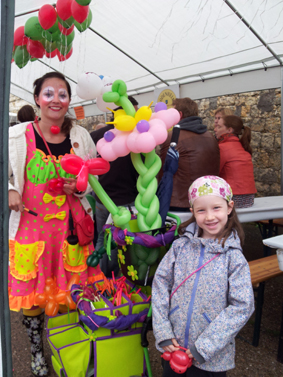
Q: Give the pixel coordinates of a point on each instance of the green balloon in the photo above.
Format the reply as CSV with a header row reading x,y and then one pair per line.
x,y
121,216
49,46
52,33
67,23
21,56
54,28
64,50
33,29
147,202
110,97
84,25
66,39
83,2
120,87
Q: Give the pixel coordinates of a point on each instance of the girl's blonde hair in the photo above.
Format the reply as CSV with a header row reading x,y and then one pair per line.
x,y
233,225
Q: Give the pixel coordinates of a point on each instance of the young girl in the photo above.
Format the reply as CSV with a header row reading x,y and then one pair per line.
x,y
236,165
202,293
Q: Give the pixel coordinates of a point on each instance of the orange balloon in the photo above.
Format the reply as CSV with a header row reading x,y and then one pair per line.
x,y
40,299
51,308
61,296
74,280
70,303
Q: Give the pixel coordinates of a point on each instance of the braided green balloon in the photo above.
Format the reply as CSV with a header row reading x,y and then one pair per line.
x,y
147,202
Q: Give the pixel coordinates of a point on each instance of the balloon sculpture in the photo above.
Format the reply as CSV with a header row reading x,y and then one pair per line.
x,y
135,133
51,297
179,361
51,32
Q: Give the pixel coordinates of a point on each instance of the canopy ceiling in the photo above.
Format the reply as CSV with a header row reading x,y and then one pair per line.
x,y
150,44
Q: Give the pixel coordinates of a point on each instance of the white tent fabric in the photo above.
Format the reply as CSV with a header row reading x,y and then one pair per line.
x,y
151,44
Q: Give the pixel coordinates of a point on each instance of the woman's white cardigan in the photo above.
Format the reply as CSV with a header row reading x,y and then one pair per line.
x,y
82,145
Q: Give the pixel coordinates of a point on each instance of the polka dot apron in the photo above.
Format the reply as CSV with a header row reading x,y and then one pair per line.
x,y
40,249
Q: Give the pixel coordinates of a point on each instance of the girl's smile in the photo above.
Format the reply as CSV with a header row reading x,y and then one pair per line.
x,y
211,214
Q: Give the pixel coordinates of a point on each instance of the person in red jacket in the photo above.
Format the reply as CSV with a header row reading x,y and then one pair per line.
x,y
236,165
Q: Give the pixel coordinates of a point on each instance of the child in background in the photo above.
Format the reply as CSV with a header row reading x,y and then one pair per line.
x,y
202,293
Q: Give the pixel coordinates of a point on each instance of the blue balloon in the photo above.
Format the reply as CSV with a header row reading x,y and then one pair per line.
x,y
101,76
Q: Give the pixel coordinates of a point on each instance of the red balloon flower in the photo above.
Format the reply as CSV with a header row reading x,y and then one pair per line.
x,y
73,164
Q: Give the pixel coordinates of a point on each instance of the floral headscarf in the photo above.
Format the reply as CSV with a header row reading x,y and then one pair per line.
x,y
210,185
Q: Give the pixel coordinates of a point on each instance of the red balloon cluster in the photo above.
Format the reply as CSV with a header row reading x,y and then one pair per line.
x,y
51,297
51,33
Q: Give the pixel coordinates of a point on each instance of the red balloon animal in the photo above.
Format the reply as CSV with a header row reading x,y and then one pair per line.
x,y
179,361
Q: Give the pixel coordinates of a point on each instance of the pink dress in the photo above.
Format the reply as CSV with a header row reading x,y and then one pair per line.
x,y
40,249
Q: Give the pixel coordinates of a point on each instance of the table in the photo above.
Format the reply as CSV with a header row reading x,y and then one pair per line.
x,y
277,242
265,208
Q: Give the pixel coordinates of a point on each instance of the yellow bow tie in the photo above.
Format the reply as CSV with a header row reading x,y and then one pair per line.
x,y
60,216
59,200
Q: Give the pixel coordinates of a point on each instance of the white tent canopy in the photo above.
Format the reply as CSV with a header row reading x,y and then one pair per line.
x,y
152,44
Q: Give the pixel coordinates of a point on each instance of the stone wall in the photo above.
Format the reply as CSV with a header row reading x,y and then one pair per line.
x,y
260,110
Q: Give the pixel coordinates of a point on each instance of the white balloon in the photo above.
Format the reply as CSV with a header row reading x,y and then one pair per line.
x,y
89,86
107,80
102,105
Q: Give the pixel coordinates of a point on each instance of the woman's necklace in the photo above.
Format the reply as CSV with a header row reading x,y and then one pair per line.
x,y
54,128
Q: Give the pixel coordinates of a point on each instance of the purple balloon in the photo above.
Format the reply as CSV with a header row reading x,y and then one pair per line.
x,y
160,106
109,136
142,126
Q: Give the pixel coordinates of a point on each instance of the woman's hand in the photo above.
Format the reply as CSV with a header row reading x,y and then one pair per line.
x,y
70,186
15,201
172,347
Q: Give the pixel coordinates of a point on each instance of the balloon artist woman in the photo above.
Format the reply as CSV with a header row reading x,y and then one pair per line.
x,y
40,202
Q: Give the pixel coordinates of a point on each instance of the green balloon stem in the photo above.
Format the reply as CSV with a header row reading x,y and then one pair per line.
x,y
104,198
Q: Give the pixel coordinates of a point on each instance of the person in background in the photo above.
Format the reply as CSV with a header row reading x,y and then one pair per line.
x,y
38,245
26,113
120,184
221,112
236,165
202,293
198,152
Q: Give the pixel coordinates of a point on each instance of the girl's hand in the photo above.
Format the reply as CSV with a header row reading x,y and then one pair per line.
x,y
70,186
15,201
188,352
172,347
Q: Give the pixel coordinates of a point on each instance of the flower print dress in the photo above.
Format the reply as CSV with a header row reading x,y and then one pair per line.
x,y
40,249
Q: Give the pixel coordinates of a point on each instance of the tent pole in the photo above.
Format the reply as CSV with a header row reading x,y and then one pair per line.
x,y
281,130
6,46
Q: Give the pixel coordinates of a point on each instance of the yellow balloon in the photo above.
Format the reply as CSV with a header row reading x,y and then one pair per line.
x,y
119,113
124,123
143,113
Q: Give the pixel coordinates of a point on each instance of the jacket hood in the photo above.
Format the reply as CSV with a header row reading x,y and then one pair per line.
x,y
193,124
213,246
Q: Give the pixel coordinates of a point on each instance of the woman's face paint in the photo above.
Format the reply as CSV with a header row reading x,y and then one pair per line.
x,y
53,98
48,94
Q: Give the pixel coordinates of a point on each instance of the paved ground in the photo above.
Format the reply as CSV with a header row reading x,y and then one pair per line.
x,y
250,361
